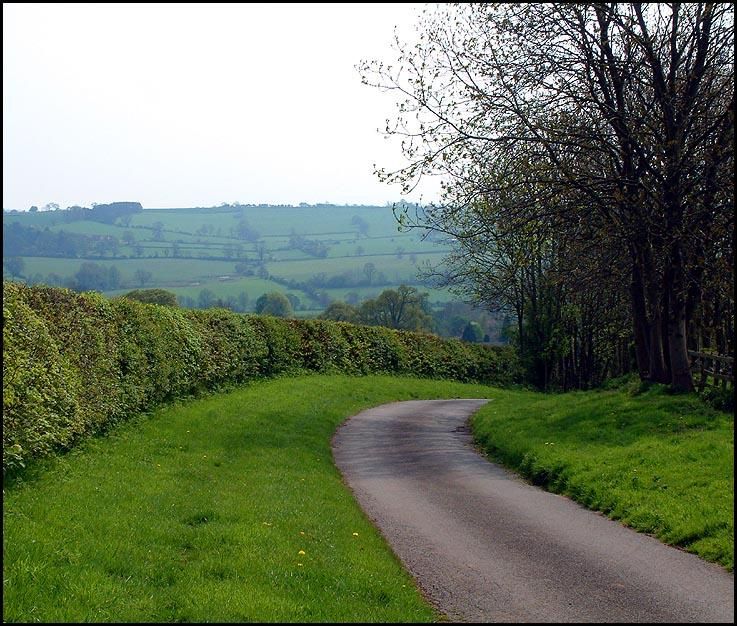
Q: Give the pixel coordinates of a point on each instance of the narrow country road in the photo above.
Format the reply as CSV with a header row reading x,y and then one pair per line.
x,y
485,546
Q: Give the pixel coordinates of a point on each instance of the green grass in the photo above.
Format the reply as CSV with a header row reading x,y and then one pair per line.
x,y
199,511
199,514
165,270
660,463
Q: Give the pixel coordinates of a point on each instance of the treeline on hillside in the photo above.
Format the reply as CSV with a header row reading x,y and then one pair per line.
x,y
19,240
407,308
404,308
74,364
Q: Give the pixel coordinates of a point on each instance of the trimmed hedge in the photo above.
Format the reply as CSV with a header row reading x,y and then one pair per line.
x,y
75,364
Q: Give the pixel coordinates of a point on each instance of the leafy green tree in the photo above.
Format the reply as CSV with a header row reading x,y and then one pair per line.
x,y
361,225
472,332
113,277
274,303
158,231
246,232
92,277
142,276
206,299
610,123
15,265
340,312
153,296
370,270
405,308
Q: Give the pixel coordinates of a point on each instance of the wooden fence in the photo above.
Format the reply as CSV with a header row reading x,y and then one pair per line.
x,y
712,365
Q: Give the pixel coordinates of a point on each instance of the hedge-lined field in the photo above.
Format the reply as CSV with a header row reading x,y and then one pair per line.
x,y
75,364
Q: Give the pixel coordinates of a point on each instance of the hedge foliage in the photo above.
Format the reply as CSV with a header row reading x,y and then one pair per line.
x,y
75,364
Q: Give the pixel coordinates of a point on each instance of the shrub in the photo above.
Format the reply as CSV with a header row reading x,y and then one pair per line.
x,y
74,364
40,389
153,296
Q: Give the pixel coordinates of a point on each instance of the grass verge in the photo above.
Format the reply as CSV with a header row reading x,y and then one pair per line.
x,y
222,509
660,463
229,508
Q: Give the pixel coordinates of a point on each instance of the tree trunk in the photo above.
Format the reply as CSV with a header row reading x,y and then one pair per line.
x,y
681,379
657,371
639,318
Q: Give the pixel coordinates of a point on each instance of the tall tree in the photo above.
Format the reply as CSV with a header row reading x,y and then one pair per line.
x,y
15,265
274,303
404,307
618,117
142,276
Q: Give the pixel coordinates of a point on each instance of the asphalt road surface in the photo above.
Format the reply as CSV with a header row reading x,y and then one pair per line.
x,y
484,546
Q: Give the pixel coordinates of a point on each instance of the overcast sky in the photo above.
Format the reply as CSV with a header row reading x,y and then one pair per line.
x,y
178,105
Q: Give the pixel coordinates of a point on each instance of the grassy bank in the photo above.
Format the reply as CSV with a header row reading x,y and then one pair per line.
x,y
660,463
202,512
229,507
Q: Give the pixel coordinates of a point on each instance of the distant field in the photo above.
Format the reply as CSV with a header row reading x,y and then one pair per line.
x,y
187,250
165,271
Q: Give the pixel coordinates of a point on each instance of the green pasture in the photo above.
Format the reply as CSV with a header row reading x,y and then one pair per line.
x,y
273,220
395,270
164,270
187,276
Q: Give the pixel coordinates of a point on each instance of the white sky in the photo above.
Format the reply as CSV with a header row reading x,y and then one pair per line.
x,y
178,105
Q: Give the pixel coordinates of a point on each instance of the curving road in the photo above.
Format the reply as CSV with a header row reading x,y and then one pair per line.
x,y
484,546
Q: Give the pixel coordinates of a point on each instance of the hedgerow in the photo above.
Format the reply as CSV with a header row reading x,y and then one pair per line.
x,y
75,364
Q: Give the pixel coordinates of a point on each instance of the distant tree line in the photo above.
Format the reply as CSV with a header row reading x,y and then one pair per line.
x,y
407,308
19,240
313,247
206,299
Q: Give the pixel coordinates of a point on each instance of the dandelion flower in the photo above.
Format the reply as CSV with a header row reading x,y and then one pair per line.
x,y
355,534
301,552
